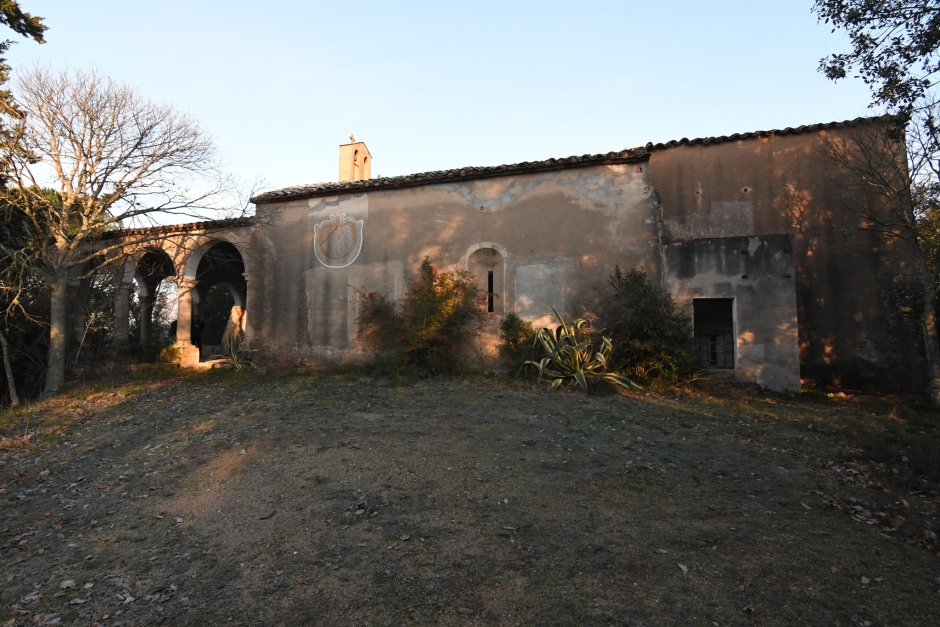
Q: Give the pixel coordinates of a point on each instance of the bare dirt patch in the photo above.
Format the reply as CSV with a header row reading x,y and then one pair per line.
x,y
302,498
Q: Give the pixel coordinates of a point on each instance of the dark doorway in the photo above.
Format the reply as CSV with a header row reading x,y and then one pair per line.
x,y
216,311
713,321
222,291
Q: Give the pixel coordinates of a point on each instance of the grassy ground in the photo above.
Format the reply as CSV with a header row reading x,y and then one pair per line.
x,y
304,498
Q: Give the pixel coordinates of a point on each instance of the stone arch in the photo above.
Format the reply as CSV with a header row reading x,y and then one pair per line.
x,y
199,249
150,269
213,262
487,261
147,267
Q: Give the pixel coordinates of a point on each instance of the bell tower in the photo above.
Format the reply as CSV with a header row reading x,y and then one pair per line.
x,y
355,161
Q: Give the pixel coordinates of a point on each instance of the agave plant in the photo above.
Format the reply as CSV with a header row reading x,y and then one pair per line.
x,y
571,357
235,358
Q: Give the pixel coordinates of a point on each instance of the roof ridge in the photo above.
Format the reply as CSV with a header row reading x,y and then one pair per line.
x,y
805,128
627,155
180,227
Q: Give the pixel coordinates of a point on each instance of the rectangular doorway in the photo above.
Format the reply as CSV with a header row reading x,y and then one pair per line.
x,y
713,328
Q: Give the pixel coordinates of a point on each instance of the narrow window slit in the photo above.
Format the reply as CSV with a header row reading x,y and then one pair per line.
x,y
489,291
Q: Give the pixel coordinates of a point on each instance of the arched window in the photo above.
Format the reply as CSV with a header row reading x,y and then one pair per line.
x,y
488,267
356,173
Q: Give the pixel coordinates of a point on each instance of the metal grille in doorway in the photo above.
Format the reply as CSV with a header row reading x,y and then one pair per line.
x,y
713,322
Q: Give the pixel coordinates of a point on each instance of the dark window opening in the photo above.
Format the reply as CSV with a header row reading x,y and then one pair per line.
x,y
713,322
489,292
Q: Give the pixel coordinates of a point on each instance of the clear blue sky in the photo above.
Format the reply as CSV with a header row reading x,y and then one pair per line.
x,y
439,84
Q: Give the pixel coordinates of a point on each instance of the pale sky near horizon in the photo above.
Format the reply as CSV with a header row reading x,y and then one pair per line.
x,y
437,85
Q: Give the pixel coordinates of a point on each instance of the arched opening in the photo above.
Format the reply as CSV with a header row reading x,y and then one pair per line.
x,y
156,295
219,300
488,266
356,173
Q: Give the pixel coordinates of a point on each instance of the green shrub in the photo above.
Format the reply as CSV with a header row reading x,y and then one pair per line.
x,y
436,320
517,342
653,337
569,357
171,354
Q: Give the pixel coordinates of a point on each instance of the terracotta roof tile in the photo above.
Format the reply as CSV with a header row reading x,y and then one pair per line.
x,y
208,225
809,128
632,155
628,155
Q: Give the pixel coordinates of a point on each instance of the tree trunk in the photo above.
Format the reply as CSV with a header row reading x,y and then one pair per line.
x,y
931,343
11,384
58,332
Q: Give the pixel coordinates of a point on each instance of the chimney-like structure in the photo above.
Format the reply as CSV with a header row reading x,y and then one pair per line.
x,y
355,162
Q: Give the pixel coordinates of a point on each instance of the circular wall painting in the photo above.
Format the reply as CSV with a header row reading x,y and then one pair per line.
x,y
337,241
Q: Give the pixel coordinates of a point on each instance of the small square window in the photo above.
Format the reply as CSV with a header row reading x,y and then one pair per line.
x,y
713,322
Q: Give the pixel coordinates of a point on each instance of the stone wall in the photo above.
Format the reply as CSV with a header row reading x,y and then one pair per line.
x,y
783,184
553,236
757,272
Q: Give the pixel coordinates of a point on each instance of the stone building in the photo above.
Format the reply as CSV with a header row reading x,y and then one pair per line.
x,y
745,232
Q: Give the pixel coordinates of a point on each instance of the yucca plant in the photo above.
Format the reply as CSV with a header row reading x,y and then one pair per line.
x,y
235,358
571,358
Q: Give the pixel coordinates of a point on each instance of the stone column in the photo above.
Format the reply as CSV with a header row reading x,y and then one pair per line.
x,y
122,305
184,312
189,354
146,319
246,338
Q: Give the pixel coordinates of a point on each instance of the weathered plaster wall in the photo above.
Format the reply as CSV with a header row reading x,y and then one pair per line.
x,y
560,234
757,272
782,185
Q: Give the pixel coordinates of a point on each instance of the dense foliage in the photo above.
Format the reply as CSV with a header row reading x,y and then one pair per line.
x,y
517,342
436,319
653,338
569,357
22,23
894,47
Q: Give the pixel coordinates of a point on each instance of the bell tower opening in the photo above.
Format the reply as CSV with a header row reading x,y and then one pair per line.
x,y
355,161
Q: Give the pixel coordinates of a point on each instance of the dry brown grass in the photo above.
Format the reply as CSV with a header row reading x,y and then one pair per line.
x,y
307,498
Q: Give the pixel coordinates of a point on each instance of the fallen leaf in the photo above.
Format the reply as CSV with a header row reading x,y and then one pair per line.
x,y
684,569
834,570
660,551
865,581
805,506
268,515
465,611
68,584
78,601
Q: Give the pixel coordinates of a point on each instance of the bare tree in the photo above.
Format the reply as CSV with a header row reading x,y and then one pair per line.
x,y
86,156
892,187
